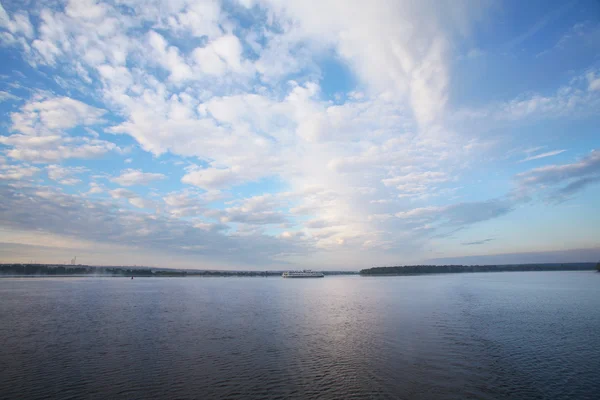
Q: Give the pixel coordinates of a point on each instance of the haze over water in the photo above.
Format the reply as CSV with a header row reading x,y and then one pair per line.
x,y
487,336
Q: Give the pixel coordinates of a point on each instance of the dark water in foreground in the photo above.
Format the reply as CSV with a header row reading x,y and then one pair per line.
x,y
523,335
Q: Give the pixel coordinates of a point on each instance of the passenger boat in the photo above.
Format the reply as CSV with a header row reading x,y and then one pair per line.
x,y
305,273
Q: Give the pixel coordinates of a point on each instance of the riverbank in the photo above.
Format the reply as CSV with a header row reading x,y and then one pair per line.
x,y
52,270
441,269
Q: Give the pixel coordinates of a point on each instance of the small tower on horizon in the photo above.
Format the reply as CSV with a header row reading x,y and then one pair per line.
x,y
74,260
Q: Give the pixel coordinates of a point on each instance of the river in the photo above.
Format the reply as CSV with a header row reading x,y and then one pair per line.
x,y
510,335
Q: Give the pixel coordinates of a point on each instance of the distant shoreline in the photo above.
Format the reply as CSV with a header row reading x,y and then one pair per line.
x,y
451,269
52,270
77,271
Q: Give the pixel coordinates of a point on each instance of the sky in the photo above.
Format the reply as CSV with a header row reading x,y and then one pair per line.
x,y
271,134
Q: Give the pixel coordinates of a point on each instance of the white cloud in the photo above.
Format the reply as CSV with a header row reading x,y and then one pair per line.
x,y
5,96
550,15
16,30
95,188
581,37
594,82
45,149
416,183
133,198
543,155
86,31
16,172
576,98
257,210
185,204
72,216
45,113
401,47
556,173
197,18
445,220
213,178
169,58
64,175
418,212
220,56
131,177
561,181
41,128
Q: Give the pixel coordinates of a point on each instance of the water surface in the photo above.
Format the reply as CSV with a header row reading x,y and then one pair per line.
x,y
522,335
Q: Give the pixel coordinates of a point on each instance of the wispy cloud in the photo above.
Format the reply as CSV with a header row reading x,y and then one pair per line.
x,y
574,99
64,175
131,177
477,242
543,155
5,96
559,181
541,24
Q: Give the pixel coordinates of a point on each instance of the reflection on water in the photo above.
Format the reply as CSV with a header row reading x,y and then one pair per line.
x,y
504,335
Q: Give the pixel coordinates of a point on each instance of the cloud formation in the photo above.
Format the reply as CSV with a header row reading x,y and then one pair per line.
x,y
64,175
55,212
477,242
562,180
543,155
325,132
131,177
41,131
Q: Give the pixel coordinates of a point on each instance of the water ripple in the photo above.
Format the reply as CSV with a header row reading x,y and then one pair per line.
x,y
526,336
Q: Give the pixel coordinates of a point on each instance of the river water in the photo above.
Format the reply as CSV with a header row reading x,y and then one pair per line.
x,y
513,335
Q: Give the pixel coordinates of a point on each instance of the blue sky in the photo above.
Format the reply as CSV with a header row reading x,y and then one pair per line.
x,y
276,134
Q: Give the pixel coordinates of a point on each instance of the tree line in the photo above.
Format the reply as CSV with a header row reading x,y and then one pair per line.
x,y
77,270
65,270
440,269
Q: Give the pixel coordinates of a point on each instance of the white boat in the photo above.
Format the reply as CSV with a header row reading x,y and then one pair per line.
x,y
305,273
